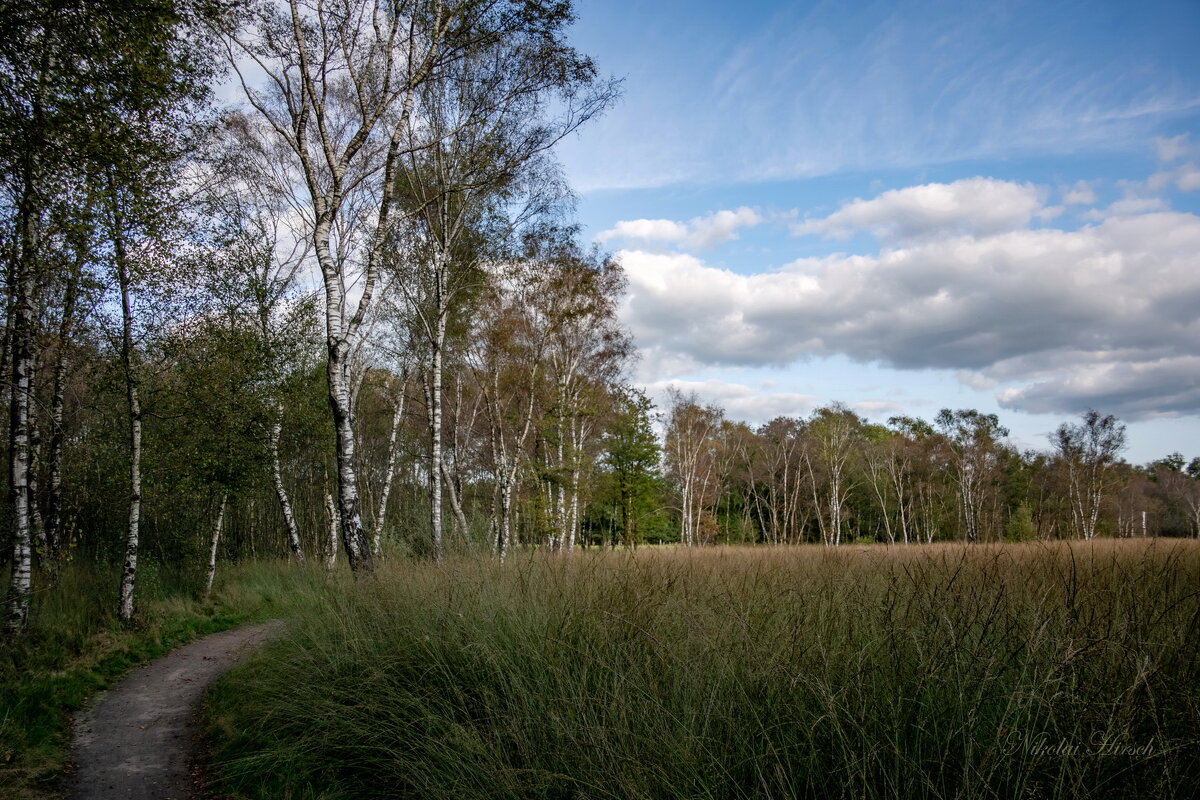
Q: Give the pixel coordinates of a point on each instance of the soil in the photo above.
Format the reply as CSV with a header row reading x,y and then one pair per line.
x,y
139,739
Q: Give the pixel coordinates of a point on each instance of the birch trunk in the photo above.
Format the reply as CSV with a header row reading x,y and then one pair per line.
x,y
133,399
37,524
335,526
452,478
452,494
389,473
435,431
285,503
214,541
349,514
507,462
21,282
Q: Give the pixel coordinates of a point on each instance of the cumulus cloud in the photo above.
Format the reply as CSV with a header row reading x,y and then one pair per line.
x,y
1104,315
698,234
979,206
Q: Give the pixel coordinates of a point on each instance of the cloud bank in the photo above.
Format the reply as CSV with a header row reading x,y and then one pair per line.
x,y
1058,320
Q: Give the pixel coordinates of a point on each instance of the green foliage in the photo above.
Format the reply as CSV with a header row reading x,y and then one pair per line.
x,y
945,671
1020,526
631,460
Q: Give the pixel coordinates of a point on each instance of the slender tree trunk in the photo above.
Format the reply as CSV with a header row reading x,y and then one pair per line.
x,y
55,527
21,284
452,480
37,523
452,494
349,506
133,399
213,542
285,503
335,525
389,473
505,520
435,431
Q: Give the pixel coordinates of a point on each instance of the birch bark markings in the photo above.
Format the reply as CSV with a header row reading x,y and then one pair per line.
x,y
21,283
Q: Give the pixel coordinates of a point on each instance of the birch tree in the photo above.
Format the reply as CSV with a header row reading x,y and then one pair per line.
x,y
256,270
486,178
1087,451
832,438
690,456
95,94
973,440
342,80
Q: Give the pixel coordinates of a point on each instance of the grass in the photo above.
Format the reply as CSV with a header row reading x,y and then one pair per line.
x,y
1039,671
75,646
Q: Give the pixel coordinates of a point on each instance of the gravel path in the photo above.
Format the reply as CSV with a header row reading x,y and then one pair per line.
x,y
138,740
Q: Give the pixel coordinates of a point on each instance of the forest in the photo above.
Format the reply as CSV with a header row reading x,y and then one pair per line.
x,y
299,325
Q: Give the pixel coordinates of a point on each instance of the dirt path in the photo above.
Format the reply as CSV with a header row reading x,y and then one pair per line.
x,y
137,740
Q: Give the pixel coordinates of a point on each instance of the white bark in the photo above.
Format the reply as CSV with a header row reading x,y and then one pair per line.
x,y
435,431
335,525
22,286
213,543
285,504
389,471
21,582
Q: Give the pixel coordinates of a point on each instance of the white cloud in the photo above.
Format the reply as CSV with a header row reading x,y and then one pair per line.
x,y
1187,178
1115,300
645,230
1165,387
1173,148
976,380
1127,207
700,233
970,206
877,409
1081,194
708,232
740,402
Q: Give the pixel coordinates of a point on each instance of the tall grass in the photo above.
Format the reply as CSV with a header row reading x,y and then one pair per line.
x,y
75,645
944,671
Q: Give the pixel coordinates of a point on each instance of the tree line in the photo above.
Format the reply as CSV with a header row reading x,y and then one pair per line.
x,y
833,477
347,314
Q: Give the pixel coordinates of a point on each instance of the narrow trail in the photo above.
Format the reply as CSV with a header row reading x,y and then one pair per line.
x,y
138,739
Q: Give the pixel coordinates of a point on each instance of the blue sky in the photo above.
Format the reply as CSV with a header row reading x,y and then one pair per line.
x,y
907,206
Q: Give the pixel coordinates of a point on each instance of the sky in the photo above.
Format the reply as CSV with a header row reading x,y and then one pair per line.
x,y
906,206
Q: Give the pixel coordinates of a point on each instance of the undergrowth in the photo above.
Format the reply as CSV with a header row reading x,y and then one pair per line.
x,y
1020,671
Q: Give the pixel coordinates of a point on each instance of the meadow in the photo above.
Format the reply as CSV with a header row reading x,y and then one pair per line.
x,y
1034,670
